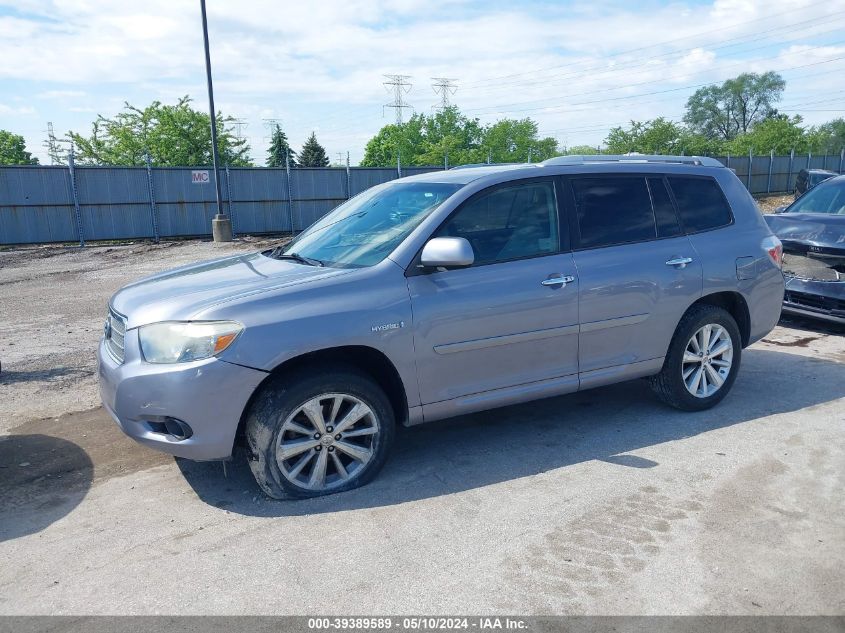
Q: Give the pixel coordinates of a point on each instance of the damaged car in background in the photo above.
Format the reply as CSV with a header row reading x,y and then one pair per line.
x,y
812,230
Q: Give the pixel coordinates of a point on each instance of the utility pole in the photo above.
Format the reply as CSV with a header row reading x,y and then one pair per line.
x,y
340,158
400,86
221,225
444,87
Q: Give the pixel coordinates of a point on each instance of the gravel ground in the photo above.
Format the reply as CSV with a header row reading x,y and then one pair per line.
x,y
768,204
602,502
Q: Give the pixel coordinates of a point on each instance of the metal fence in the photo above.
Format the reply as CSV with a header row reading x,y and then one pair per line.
x,y
40,204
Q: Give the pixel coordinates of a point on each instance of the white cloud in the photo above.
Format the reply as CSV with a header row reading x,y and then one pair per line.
x,y
319,65
8,110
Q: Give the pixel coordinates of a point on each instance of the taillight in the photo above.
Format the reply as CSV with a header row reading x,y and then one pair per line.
x,y
774,248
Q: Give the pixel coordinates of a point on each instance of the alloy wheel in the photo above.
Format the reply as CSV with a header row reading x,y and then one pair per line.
x,y
327,441
707,361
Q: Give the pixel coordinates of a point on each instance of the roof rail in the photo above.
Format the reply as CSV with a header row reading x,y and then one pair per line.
x,y
474,165
702,161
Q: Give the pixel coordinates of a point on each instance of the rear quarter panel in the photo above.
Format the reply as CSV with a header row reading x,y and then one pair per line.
x,y
720,249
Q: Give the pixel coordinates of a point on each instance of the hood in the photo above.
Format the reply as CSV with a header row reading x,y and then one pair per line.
x,y
181,293
816,232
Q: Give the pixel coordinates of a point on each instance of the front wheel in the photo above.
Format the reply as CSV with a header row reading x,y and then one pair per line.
x,y
702,362
319,433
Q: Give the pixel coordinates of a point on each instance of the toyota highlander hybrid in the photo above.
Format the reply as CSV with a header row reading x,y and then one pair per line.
x,y
439,295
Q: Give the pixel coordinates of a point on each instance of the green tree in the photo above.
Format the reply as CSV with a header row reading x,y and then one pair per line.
x,y
581,150
313,154
733,108
427,140
780,134
174,135
659,136
392,139
828,138
448,133
13,150
517,141
279,148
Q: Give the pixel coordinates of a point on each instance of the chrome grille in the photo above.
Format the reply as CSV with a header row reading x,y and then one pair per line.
x,y
115,332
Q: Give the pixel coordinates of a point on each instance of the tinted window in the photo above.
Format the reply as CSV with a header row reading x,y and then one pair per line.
x,y
613,210
664,210
817,178
700,203
508,223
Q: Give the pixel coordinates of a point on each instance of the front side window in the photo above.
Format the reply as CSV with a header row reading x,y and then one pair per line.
x,y
512,222
613,210
364,230
700,203
826,198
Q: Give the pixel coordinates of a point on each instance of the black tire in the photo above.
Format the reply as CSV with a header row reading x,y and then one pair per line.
x,y
669,385
283,395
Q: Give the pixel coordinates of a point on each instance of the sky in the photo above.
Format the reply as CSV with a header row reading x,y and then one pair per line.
x,y
577,68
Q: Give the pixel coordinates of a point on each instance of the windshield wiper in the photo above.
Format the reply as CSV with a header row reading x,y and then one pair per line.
x,y
310,261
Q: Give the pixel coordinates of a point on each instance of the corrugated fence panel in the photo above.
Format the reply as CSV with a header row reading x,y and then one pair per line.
x,y
36,205
114,203
366,177
259,200
36,202
185,207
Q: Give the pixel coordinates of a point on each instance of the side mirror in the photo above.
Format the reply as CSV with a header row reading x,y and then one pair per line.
x,y
781,208
447,252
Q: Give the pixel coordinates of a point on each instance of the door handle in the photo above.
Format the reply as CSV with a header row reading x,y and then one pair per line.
x,y
558,281
680,262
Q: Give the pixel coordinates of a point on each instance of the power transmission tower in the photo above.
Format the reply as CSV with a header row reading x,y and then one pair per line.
x,y
444,87
55,152
400,86
239,124
271,125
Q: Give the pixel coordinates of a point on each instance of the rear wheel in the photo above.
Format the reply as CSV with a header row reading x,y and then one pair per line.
x,y
317,434
702,362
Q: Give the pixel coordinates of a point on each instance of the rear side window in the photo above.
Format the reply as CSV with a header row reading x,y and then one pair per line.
x,y
700,203
613,210
664,210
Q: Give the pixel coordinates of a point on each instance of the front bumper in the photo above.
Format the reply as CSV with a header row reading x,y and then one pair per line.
x,y
209,395
824,300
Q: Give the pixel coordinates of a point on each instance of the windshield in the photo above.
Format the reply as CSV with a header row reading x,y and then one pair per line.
x,y
828,198
364,230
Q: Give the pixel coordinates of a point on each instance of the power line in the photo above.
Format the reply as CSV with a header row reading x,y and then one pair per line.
x,y
648,62
625,97
444,87
400,86
685,38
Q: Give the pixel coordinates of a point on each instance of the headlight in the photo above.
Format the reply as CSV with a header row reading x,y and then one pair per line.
x,y
179,342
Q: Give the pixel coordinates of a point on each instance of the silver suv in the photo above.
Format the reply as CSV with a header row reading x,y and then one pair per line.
x,y
442,294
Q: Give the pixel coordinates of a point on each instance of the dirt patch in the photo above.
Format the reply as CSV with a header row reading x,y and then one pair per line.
x,y
804,341
64,454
